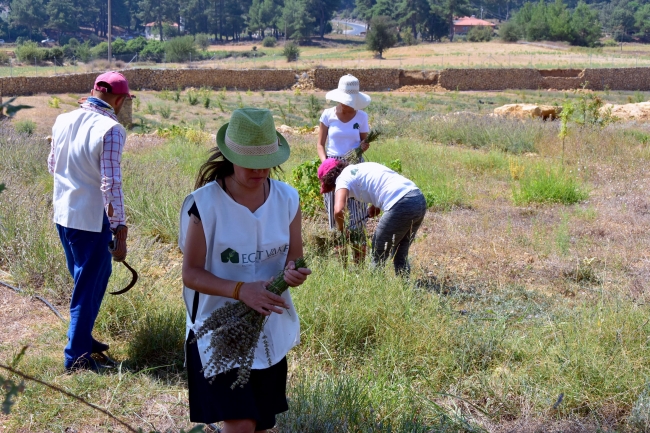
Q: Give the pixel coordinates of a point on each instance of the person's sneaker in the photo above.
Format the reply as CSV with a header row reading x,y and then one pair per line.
x,y
99,347
85,364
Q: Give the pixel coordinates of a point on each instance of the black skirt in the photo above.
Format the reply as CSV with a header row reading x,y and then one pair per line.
x,y
263,397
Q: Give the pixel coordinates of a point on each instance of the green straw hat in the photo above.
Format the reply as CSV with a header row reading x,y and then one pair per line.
x,y
250,140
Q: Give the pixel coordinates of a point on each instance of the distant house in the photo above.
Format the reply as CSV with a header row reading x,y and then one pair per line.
x,y
151,30
464,24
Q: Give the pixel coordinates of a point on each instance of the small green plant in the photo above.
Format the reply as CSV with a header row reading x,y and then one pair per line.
x,y
192,97
240,102
565,115
177,95
314,107
284,115
249,93
136,104
639,97
262,94
54,102
25,126
395,165
220,104
291,51
206,102
165,111
150,109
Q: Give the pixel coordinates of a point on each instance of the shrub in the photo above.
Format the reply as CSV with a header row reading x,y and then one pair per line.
x,y
73,42
202,40
548,185
53,53
119,46
154,51
4,58
291,51
136,45
100,51
82,52
269,42
479,34
180,49
25,126
409,39
30,52
509,32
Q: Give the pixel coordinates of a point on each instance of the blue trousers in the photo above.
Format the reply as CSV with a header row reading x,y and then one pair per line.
x,y
396,231
89,263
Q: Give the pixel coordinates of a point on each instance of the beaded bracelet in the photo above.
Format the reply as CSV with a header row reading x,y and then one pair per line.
x,y
235,293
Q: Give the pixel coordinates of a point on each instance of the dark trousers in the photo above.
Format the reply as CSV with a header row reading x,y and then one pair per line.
x,y
89,263
396,231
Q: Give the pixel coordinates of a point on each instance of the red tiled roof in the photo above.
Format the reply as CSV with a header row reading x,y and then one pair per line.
x,y
471,21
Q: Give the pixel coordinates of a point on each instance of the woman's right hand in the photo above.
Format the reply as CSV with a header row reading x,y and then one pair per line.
x,y
261,300
364,145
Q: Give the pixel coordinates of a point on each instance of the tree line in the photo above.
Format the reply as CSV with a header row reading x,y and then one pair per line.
x,y
575,21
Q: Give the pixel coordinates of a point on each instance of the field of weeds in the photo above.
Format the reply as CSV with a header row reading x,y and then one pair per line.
x,y
345,51
527,309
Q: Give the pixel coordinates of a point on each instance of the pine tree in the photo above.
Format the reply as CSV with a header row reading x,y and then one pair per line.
x,y
63,16
296,20
382,35
585,25
322,10
28,13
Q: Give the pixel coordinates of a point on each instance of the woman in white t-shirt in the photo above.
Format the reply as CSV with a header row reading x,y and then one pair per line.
x,y
342,129
402,202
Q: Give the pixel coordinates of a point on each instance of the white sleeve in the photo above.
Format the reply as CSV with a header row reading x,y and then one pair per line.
x,y
325,118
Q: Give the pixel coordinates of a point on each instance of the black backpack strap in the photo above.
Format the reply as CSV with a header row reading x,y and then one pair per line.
x,y
195,306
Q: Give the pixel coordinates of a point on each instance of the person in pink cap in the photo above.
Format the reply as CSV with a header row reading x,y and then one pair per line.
x,y
88,204
401,201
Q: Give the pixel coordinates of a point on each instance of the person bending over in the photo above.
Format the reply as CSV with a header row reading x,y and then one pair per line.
x,y
401,201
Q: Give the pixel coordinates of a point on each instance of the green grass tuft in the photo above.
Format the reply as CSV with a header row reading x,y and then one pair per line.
x,y
548,185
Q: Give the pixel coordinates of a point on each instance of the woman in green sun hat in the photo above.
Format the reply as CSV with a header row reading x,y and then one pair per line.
x,y
238,230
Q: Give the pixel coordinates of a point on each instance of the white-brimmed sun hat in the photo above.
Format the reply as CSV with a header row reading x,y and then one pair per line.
x,y
348,93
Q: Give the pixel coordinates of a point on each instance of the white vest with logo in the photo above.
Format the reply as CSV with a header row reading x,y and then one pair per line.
x,y
79,140
244,246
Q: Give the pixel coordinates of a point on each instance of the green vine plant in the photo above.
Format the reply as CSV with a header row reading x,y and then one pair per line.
x,y
304,178
12,390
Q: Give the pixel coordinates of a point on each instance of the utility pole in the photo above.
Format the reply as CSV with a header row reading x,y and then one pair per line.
x,y
110,26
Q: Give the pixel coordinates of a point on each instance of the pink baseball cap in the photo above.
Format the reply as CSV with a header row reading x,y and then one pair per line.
x,y
113,82
325,167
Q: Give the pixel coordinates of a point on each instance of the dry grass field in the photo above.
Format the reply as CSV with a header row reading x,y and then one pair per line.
x,y
525,313
350,52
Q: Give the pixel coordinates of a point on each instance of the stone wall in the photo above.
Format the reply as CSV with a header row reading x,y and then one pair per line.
x,y
327,79
369,79
155,79
617,79
490,79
